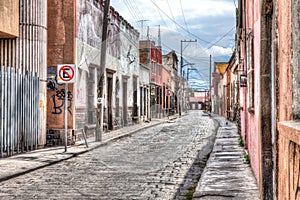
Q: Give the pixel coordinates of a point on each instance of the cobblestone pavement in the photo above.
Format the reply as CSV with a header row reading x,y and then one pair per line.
x,y
162,162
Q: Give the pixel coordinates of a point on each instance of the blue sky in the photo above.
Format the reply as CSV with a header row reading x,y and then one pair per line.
x,y
210,22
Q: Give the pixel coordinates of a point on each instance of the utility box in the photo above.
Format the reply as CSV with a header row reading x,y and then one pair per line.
x,y
9,18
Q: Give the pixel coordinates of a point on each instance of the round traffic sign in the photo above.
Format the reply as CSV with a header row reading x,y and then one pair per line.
x,y
66,73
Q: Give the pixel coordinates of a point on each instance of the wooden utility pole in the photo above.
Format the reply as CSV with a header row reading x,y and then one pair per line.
x,y
210,100
181,89
100,74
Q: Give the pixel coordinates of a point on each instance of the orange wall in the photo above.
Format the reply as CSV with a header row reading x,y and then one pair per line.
x,y
288,146
61,50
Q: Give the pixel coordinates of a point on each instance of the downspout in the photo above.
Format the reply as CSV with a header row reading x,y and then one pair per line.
x,y
274,72
265,132
245,35
245,69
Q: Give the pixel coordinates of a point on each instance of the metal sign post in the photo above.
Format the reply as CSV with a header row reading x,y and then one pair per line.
x,y
66,116
66,74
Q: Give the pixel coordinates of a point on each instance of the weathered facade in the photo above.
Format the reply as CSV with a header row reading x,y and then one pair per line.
x,y
151,56
144,93
249,37
121,76
76,38
257,57
166,89
23,48
129,73
219,101
60,50
232,88
170,61
198,100
287,73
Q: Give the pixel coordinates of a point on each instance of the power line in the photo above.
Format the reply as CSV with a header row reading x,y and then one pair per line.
x,y
172,14
222,37
184,17
138,10
234,3
178,23
186,57
132,11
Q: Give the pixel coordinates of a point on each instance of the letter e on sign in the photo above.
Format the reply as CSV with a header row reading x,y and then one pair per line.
x,y
66,73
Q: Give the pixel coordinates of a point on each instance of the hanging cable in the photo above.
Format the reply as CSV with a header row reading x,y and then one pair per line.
x,y
186,26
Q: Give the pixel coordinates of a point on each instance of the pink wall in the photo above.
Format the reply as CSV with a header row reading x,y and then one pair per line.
x,y
250,127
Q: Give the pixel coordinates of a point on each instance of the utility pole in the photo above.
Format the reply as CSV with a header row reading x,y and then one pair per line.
x,y
210,102
181,78
100,74
142,27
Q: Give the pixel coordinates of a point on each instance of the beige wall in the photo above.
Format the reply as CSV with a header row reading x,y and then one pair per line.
x,y
9,15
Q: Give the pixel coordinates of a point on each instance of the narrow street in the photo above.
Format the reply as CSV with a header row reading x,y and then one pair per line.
x,y
163,162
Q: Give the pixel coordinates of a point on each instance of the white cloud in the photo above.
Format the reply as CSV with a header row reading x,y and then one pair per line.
x,y
220,51
207,20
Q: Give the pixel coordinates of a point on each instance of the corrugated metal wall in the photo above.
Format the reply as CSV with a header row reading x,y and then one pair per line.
x,y
19,111
27,53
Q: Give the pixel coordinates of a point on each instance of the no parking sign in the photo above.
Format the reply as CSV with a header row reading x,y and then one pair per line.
x,y
66,73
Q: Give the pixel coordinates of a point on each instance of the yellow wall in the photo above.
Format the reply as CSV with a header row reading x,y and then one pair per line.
x,y
221,67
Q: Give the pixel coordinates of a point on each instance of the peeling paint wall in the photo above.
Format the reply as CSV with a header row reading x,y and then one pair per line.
x,y
61,50
289,98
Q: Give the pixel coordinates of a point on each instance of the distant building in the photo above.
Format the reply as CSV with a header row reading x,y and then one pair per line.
x,y
219,83
170,67
198,100
151,55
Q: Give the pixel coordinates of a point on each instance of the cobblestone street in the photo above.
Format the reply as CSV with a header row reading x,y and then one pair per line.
x,y
162,162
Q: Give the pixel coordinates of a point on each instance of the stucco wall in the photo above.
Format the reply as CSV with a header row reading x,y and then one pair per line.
x,y
9,15
285,60
288,148
254,120
61,50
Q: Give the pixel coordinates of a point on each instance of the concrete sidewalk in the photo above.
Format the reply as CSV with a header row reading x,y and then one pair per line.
x,y
226,176
27,162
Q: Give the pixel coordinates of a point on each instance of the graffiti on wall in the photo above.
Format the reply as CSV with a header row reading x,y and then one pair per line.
x,y
58,100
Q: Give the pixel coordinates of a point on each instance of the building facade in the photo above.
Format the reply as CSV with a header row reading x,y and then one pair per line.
x,y
23,51
220,76
75,38
151,55
170,62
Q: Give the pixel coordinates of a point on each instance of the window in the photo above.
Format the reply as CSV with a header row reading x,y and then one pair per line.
x,y
153,67
159,68
250,72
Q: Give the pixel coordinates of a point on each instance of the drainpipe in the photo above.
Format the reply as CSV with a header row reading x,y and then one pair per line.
x,y
245,71
265,132
274,68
